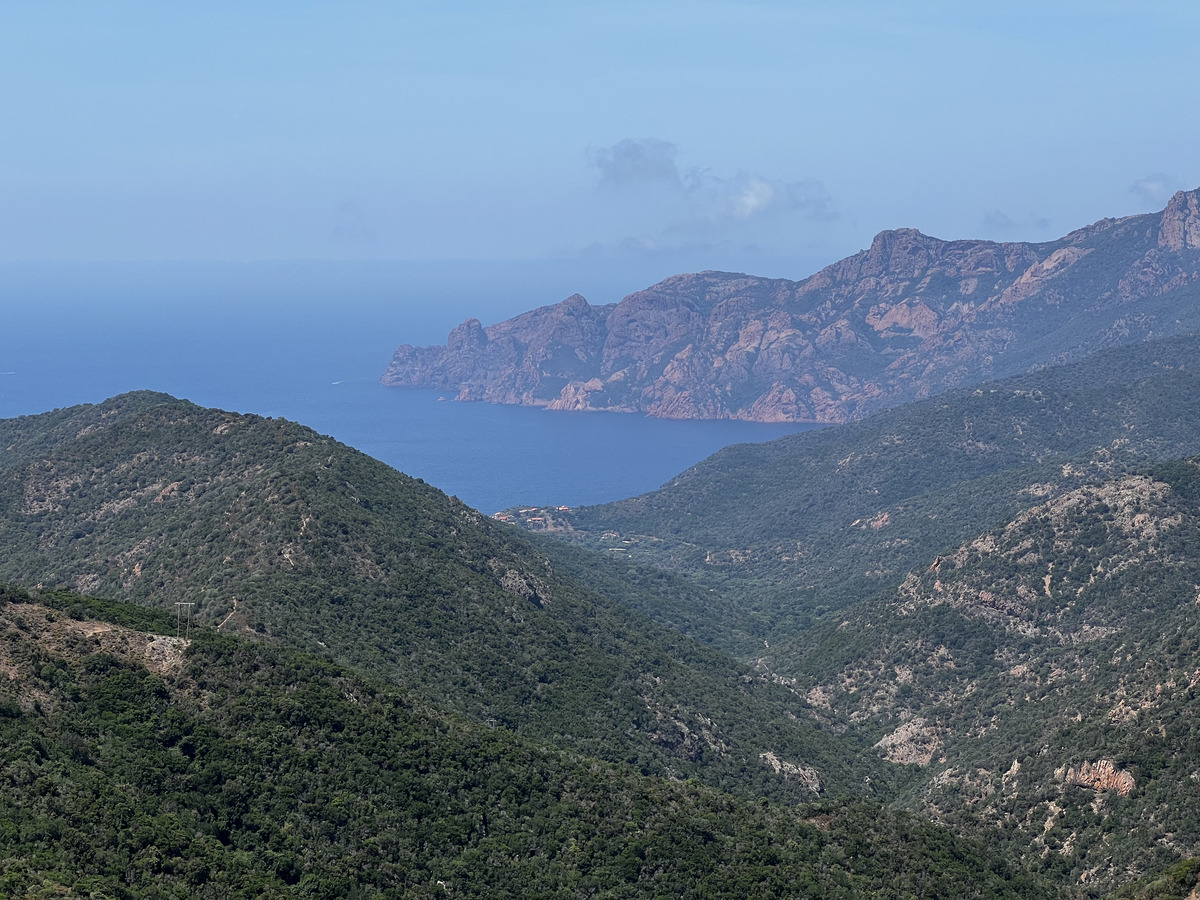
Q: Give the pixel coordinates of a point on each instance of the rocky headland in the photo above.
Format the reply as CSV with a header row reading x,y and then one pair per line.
x,y
909,317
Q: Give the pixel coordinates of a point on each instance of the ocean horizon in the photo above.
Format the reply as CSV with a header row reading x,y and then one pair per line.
x,y
309,343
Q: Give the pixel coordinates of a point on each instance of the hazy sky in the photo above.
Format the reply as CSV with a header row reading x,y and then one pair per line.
x,y
763,136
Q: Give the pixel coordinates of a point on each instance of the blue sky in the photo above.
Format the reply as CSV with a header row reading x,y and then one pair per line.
x,y
768,137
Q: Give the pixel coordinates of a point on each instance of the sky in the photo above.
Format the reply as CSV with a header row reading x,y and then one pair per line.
x,y
637,138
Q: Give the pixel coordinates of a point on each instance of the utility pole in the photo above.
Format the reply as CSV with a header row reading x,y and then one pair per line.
x,y
183,619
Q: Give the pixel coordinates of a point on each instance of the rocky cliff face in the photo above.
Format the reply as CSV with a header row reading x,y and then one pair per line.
x,y
909,317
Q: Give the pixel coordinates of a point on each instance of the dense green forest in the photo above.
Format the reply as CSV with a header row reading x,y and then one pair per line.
x,y
225,767
986,617
275,531
792,530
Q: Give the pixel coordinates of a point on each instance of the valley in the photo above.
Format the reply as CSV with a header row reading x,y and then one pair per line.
x,y
600,451
948,647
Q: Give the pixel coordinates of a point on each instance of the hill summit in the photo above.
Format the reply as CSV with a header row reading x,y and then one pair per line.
x,y
909,317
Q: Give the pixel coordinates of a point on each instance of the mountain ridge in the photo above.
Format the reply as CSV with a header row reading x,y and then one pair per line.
x,y
790,529
908,317
276,532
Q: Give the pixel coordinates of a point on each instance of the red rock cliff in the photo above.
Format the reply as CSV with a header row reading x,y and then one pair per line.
x,y
908,317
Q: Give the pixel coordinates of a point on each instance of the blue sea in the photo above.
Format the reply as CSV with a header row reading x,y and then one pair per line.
x,y
309,341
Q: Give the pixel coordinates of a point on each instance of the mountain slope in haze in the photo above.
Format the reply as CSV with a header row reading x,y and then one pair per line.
x,y
1046,676
135,764
910,317
270,529
789,530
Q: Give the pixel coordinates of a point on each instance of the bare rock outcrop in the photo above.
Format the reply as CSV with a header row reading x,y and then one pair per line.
x,y
806,775
908,317
1102,775
1180,225
916,741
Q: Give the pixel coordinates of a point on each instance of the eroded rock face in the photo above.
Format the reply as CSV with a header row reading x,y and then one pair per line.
x,y
57,634
916,741
908,317
1102,775
1180,226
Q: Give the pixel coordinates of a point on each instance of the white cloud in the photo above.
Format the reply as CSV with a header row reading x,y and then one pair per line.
x,y
706,199
748,196
1154,190
631,162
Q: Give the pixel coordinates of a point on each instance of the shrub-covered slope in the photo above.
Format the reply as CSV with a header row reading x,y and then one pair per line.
x,y
271,529
1045,676
794,528
139,765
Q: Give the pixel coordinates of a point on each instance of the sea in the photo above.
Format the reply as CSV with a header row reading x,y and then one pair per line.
x,y
309,342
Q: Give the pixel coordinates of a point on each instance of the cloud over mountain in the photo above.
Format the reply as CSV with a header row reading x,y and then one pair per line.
x,y
747,196
680,205
1155,189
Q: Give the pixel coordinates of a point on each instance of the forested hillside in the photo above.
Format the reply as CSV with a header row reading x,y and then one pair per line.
x,y
790,530
997,588
1045,677
139,765
274,531
980,611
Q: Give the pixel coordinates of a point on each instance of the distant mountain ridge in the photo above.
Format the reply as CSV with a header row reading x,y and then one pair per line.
x,y
910,317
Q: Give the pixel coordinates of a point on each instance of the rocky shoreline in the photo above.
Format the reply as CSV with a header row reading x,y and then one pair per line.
x,y
910,317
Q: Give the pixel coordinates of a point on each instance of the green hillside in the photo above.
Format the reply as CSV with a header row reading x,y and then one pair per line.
x,y
997,588
140,765
790,530
1017,657
1045,676
274,531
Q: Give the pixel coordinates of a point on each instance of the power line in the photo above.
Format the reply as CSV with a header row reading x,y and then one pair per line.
x,y
183,619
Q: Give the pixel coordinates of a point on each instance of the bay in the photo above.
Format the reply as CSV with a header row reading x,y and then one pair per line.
x,y
308,342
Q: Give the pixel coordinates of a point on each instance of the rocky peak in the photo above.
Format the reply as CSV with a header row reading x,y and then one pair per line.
x,y
908,317
469,335
575,305
902,251
1180,225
